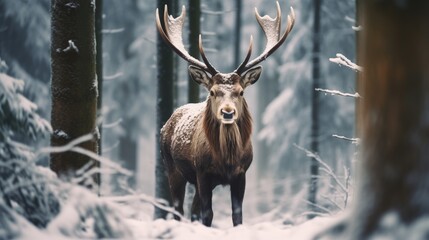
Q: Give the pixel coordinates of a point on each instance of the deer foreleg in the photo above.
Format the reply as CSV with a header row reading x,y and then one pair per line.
x,y
238,186
205,194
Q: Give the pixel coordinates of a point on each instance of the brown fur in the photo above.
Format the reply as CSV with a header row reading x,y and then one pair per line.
x,y
217,152
227,143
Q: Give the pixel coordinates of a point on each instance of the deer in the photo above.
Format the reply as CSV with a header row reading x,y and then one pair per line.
x,y
209,143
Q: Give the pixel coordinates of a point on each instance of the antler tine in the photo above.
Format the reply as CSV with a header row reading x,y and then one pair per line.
x,y
271,28
172,35
210,68
249,52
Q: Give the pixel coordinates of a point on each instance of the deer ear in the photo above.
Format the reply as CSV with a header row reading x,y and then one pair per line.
x,y
199,75
251,76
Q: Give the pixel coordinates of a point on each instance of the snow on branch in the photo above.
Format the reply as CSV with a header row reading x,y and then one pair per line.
x,y
71,46
355,141
343,60
114,76
112,31
339,93
357,28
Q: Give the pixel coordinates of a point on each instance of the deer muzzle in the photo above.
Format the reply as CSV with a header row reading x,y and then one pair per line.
x,y
228,116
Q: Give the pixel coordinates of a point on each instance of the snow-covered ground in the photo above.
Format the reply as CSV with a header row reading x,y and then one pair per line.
x,y
171,229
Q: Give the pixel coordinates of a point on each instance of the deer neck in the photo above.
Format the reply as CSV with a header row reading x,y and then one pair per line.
x,y
227,141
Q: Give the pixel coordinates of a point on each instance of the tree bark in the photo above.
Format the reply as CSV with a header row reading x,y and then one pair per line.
x,y
164,111
394,115
74,86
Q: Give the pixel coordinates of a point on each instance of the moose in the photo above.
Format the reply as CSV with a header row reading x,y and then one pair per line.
x,y
208,143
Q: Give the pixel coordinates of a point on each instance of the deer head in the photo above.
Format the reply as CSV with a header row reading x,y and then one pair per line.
x,y
226,89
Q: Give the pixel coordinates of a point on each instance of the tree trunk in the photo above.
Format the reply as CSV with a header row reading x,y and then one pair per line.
x,y
314,166
74,86
128,142
394,117
237,39
194,32
164,111
99,72
99,66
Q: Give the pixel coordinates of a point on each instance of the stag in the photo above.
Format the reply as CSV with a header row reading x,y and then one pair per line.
x,y
208,143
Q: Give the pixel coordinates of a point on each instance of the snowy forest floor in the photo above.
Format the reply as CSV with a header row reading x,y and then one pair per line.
x,y
138,218
171,229
143,226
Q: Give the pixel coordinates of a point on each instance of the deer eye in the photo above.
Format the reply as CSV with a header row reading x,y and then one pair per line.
x,y
241,93
212,93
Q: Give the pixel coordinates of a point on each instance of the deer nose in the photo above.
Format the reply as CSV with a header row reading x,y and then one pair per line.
x,y
228,113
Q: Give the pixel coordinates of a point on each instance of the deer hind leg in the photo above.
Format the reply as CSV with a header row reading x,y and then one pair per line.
x,y
177,189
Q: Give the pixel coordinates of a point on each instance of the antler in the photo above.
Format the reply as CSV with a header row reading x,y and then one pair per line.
x,y
172,35
271,28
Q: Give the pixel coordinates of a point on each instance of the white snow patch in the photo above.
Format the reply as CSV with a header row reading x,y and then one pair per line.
x,y
70,47
61,134
171,229
191,114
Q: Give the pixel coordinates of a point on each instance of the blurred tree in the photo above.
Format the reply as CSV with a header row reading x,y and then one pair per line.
x,y
392,200
25,29
128,142
314,166
237,32
74,86
164,110
394,117
194,32
21,188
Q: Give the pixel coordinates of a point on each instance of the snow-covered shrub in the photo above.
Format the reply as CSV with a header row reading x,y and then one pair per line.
x,y
32,196
23,187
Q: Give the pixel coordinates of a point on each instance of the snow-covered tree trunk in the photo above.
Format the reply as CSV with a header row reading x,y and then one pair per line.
x,y
74,82
164,111
394,114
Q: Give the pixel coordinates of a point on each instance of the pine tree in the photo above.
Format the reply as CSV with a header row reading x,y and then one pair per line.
x,y
22,184
32,194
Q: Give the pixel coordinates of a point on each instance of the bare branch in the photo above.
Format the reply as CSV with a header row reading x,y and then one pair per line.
x,y
326,167
114,76
112,31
